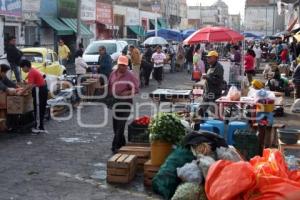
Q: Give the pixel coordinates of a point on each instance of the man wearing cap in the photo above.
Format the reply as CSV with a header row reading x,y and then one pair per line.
x,y
122,85
213,81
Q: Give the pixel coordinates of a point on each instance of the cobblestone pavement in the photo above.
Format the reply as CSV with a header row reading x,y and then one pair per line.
x,y
69,163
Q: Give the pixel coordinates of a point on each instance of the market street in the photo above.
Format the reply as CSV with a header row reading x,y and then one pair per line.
x,y
69,163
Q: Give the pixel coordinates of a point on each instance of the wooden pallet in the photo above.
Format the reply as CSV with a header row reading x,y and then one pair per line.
x,y
142,153
149,172
121,168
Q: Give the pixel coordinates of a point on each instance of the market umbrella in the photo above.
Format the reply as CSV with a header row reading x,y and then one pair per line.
x,y
214,34
167,34
155,41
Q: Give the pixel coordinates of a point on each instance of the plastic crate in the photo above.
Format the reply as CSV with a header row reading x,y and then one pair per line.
x,y
247,143
138,134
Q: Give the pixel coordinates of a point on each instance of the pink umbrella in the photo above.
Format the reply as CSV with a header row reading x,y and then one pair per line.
x,y
214,34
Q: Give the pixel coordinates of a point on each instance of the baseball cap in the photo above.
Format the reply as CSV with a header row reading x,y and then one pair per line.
x,y
122,60
212,53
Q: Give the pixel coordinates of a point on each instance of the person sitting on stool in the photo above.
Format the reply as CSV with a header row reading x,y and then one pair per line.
x,y
38,85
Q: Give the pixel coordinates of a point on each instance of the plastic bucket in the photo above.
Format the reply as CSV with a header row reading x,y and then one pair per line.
x,y
159,152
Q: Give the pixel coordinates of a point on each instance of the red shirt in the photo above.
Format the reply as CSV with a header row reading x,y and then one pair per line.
x,y
249,62
284,55
36,78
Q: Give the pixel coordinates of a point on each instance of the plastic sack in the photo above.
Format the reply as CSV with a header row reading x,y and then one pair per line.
x,y
166,181
189,191
204,163
228,154
234,94
190,172
228,180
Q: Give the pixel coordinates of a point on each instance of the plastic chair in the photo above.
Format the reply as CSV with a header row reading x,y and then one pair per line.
x,y
232,127
206,127
217,124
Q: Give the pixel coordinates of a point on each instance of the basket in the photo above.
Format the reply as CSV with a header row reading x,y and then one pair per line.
x,y
264,107
247,143
138,134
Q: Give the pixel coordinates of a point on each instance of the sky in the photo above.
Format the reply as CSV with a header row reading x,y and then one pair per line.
x,y
235,6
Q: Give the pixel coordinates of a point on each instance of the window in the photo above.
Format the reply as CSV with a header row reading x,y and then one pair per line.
x,y
49,57
55,59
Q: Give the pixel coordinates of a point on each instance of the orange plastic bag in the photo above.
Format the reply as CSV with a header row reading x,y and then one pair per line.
x,y
228,181
271,163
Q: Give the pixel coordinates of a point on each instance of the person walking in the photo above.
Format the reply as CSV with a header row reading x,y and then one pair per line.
x,y
198,64
64,53
105,64
171,52
14,56
80,49
38,85
147,64
214,79
136,61
189,58
296,82
249,65
122,85
180,57
257,50
159,59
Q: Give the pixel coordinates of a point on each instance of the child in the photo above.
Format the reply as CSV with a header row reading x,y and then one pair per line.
x,y
38,85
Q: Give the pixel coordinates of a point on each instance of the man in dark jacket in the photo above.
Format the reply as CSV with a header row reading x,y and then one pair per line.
x,y
14,56
105,63
147,65
6,85
213,82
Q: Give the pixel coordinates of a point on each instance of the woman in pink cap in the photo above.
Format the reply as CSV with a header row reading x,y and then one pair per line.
x,y
122,85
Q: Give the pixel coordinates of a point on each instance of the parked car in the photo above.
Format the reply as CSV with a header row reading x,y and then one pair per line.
x,y
45,60
113,47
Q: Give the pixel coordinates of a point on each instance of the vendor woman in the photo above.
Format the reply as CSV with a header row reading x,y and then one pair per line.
x,y
6,85
37,84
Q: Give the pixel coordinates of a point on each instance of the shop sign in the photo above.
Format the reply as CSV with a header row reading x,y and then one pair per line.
x,y
104,13
88,10
30,9
11,8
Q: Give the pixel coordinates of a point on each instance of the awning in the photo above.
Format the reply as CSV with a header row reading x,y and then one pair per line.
x,y
72,23
162,22
138,30
152,21
57,25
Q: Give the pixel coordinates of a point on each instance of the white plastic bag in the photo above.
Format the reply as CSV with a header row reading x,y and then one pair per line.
x,y
190,172
228,154
204,163
234,94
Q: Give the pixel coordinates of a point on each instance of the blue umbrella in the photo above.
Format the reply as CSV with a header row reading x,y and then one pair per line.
x,y
167,34
251,35
186,33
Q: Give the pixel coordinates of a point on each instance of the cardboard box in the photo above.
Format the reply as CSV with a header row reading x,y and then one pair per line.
x,y
19,104
3,97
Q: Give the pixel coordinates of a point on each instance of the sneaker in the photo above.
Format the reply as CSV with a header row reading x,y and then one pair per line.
x,y
35,130
43,131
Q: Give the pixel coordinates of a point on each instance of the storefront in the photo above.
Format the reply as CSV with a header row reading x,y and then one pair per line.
x,y
104,21
11,23
88,16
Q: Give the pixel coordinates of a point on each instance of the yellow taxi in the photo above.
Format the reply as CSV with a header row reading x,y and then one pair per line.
x,y
43,59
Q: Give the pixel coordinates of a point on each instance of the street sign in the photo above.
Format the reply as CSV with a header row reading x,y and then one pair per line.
x,y
156,7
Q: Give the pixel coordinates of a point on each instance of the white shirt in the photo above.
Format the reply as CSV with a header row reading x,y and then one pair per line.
x,y
158,59
258,52
80,66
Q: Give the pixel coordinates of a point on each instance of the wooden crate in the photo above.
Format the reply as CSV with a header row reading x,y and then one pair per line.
x,y
143,154
121,168
149,172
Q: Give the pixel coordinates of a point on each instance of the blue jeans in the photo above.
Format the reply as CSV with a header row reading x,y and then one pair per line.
x,y
15,68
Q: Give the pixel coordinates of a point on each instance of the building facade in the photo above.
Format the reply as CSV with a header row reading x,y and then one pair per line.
x,y
214,15
261,16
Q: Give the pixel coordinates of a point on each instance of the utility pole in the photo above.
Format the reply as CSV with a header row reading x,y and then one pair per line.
x,y
273,17
139,7
78,39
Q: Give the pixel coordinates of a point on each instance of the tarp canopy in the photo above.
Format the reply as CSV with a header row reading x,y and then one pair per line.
x,y
152,21
72,23
137,30
167,34
251,35
57,25
162,22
